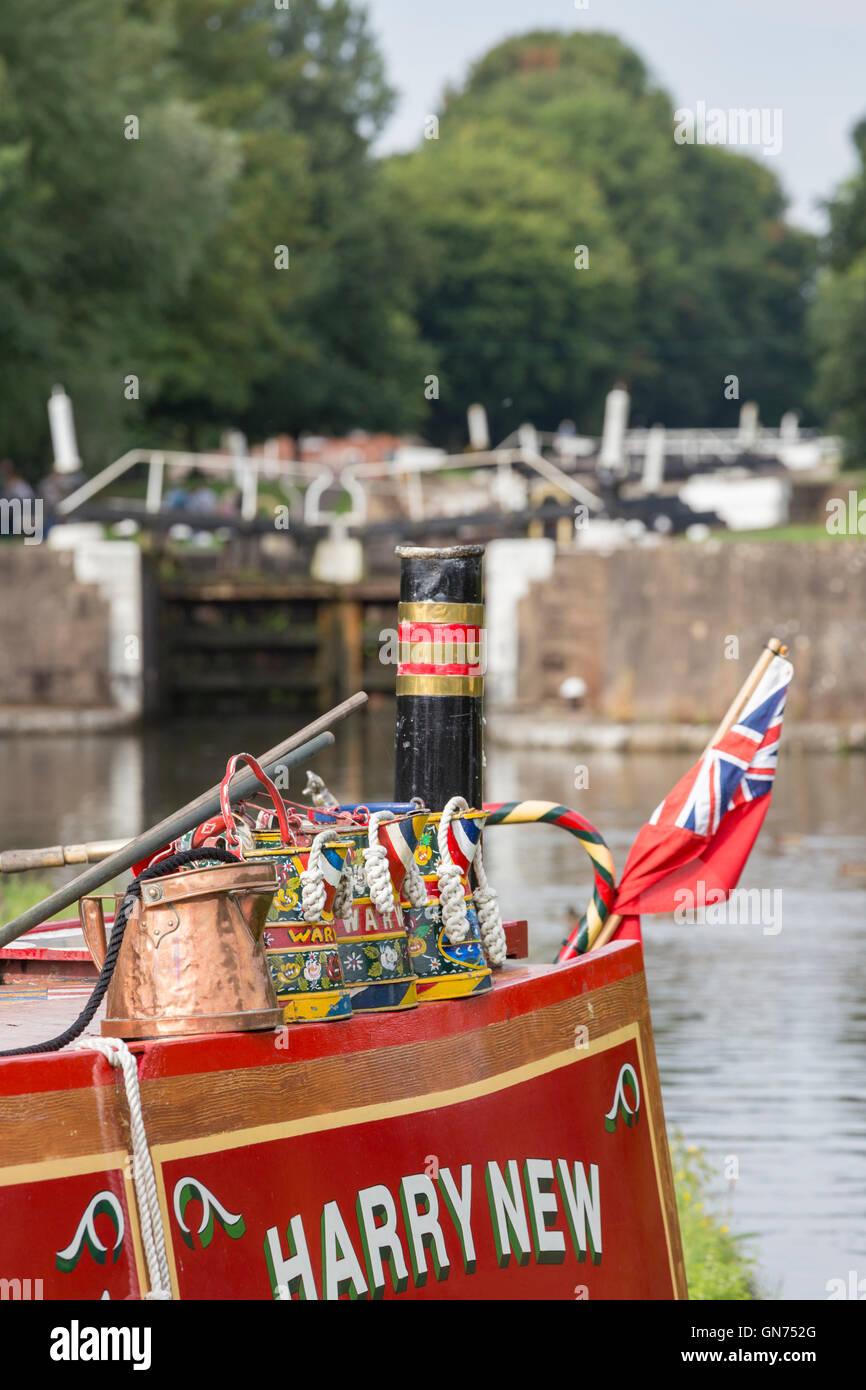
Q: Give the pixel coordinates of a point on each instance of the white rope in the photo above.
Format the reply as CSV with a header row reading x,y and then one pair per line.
x,y
313,892
414,887
118,1054
451,891
345,895
489,914
377,870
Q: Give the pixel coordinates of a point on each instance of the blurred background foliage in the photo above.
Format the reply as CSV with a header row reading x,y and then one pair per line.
x,y
156,256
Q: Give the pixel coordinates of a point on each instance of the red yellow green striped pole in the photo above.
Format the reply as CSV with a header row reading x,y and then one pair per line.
x,y
550,813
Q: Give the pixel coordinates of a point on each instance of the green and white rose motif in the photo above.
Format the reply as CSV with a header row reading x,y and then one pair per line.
x,y
102,1204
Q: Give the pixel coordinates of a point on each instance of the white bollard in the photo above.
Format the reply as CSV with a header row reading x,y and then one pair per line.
x,y
654,459
616,409
338,558
789,427
527,438
62,426
479,431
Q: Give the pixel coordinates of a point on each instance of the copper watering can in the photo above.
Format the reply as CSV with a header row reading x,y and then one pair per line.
x,y
192,958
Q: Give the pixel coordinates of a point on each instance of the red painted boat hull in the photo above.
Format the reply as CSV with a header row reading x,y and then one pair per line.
x,y
507,1146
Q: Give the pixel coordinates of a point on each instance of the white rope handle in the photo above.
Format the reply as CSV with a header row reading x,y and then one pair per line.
x,y
345,895
377,870
451,892
313,892
489,914
115,1051
414,887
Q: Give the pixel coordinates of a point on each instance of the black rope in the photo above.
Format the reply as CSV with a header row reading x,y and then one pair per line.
x,y
165,866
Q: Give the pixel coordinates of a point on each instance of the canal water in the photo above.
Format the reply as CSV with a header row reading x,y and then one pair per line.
x,y
760,1028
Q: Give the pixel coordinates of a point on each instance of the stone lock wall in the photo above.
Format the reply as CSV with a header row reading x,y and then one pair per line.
x,y
648,630
54,631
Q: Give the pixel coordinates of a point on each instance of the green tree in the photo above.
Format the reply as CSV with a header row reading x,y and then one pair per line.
x,y
101,233
838,315
158,257
560,141
320,336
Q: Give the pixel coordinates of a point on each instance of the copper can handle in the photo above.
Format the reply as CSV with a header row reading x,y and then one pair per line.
x,y
92,919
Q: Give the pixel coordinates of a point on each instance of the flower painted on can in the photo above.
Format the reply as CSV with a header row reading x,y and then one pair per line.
x,y
388,956
416,945
424,853
354,962
313,970
286,971
334,973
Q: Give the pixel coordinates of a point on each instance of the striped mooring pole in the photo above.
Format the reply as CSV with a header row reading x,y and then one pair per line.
x,y
440,675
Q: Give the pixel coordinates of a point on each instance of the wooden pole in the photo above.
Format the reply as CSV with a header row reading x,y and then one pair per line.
x,y
19,861
773,649
302,745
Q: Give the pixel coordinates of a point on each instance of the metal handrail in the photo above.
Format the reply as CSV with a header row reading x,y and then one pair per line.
x,y
356,478
157,458
320,476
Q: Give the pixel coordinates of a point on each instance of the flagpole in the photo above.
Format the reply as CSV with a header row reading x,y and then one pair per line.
x,y
773,649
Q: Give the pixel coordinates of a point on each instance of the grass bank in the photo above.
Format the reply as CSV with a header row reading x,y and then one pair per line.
x,y
18,892
718,1266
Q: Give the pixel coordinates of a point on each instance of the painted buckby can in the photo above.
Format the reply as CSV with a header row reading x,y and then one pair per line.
x,y
445,970
302,954
372,935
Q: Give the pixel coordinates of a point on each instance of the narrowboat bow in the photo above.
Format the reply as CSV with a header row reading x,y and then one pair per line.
x,y
324,1071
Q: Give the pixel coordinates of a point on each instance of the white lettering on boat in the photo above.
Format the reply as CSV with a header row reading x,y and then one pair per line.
x,y
389,1237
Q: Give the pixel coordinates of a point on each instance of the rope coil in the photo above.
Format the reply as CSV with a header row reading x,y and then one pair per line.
x,y
452,897
489,914
414,887
377,870
313,891
345,894
451,894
